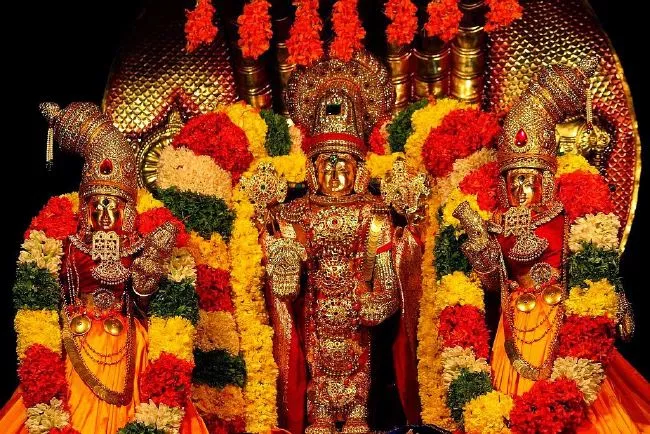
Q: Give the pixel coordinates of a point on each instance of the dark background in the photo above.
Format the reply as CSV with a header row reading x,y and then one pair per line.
x,y
62,51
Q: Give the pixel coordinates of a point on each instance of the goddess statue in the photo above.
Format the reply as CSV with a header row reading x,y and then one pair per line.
x,y
107,277
330,256
522,251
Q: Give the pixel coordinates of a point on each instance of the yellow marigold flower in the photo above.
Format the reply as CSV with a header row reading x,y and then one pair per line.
x,y
455,198
423,121
227,403
74,198
587,374
183,169
599,229
37,327
569,163
455,359
488,413
459,289
44,252
252,321
171,335
181,265
217,331
599,298
212,252
291,167
248,118
146,201
379,165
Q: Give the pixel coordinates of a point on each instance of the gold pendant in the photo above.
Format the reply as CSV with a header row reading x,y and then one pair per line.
x,y
526,303
113,326
80,325
552,295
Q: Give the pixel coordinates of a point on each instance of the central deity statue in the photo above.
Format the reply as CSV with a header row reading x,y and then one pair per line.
x,y
329,253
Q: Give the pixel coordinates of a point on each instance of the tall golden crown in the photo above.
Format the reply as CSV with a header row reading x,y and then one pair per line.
x,y
528,137
109,161
340,102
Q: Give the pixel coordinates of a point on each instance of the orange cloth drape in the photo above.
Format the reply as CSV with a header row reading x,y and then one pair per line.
x,y
623,404
89,414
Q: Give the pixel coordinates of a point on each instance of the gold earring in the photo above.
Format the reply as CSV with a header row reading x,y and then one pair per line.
x,y
362,179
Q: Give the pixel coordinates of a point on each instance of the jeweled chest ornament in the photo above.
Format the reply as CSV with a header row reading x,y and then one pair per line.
x,y
106,249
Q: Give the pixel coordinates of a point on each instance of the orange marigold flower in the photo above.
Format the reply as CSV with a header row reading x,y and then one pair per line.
x,y
444,18
349,32
502,13
304,44
255,29
403,21
199,28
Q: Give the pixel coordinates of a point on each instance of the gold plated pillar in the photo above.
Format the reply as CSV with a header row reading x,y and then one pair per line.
x,y
399,65
253,82
281,33
468,53
431,64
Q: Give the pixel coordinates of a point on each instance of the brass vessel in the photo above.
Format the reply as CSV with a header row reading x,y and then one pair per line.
x,y
399,65
431,63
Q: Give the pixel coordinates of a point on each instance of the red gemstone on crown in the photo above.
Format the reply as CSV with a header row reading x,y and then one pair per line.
x,y
521,138
106,167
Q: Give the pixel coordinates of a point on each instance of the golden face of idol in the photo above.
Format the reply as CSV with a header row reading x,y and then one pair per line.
x,y
105,212
336,174
524,187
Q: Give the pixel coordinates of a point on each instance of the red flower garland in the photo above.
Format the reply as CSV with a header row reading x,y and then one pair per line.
x,y
460,133
587,338
42,376
502,13
571,191
483,183
215,135
348,31
56,219
67,430
255,29
148,221
199,28
213,289
376,141
403,21
444,18
549,407
464,326
217,425
167,380
304,44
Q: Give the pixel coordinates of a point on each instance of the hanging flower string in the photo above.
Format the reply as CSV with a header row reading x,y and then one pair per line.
x,y
348,30
304,44
403,21
502,13
444,18
199,28
255,29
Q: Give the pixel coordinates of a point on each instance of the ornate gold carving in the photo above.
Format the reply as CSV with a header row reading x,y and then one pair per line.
x,y
402,191
264,188
285,256
149,267
106,249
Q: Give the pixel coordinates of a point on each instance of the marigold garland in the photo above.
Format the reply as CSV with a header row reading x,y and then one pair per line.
x,y
146,201
37,327
380,165
348,31
249,119
214,290
598,299
291,167
217,331
252,321
148,221
466,387
444,19
464,326
587,338
482,183
304,44
569,163
212,252
403,22
401,127
378,139
173,335
488,414
459,289
254,26
199,28
226,403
